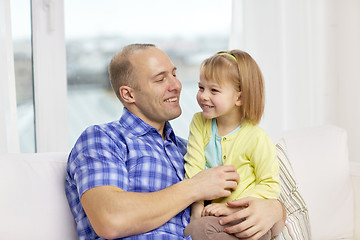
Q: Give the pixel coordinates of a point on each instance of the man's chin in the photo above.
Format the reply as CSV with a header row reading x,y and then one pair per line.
x,y
174,114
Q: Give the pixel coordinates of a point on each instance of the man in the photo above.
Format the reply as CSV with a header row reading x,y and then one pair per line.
x,y
125,178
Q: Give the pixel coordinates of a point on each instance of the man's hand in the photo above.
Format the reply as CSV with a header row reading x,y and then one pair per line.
x,y
260,216
215,182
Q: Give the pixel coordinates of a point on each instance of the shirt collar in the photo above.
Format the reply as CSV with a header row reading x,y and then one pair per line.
x,y
169,132
138,127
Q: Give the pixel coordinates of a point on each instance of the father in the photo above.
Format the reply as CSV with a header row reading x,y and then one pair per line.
x,y
125,178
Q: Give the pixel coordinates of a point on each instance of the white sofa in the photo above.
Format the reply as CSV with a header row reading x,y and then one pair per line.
x,y
33,204
328,182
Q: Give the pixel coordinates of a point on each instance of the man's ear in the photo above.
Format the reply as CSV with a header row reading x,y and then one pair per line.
x,y
239,100
127,94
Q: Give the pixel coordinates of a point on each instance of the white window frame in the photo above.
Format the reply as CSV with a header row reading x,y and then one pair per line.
x,y
49,69
9,140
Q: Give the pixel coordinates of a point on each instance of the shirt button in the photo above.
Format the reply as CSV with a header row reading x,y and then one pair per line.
x,y
224,157
224,138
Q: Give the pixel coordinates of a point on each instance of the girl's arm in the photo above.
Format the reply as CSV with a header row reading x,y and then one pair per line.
x,y
196,209
266,168
195,156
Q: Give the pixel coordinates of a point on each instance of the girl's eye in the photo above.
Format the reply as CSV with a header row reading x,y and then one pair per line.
x,y
201,88
214,90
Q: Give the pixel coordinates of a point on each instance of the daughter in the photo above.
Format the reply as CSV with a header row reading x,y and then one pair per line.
x,y
231,96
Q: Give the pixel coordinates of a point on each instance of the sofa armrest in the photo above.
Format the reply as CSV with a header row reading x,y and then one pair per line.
x,y
355,177
33,203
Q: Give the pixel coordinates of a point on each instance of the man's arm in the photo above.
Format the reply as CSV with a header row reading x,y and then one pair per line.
x,y
114,213
260,216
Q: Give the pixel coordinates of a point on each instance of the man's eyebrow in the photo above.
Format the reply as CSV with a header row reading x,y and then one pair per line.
x,y
163,72
159,74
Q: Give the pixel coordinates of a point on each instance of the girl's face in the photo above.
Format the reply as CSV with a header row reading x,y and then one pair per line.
x,y
217,100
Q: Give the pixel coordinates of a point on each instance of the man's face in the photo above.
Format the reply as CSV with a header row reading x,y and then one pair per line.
x,y
158,94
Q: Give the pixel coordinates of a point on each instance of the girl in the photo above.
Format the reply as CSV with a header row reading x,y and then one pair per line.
x,y
231,96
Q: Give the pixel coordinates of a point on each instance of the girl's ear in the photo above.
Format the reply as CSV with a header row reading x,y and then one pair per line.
x,y
127,94
239,100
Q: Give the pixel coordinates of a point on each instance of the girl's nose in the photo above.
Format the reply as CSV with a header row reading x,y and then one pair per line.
x,y
204,96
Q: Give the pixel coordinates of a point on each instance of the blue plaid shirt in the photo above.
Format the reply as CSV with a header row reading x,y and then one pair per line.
x,y
131,155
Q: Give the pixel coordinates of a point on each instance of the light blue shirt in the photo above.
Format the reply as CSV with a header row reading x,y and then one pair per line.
x,y
213,148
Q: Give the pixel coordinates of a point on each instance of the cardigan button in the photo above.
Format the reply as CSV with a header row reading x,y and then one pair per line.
x,y
224,138
224,157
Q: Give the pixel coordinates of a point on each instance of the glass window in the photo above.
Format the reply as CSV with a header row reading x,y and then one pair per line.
x,y
188,31
21,30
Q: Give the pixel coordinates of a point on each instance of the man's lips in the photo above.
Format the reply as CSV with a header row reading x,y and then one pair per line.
x,y
173,99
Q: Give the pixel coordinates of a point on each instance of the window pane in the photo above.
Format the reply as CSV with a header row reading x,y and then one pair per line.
x,y
188,31
21,29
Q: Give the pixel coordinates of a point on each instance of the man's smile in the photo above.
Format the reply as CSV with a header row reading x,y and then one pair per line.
x,y
174,99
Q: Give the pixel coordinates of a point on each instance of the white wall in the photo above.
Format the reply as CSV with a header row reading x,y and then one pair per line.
x,y
309,52
348,62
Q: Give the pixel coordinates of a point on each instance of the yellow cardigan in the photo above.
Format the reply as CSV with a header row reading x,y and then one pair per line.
x,y
249,149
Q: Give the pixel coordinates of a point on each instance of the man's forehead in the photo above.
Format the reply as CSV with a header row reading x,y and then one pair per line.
x,y
153,60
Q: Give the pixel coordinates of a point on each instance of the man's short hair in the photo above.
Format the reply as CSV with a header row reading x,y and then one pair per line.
x,y
121,71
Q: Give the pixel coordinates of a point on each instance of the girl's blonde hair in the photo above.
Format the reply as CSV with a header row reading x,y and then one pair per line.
x,y
242,70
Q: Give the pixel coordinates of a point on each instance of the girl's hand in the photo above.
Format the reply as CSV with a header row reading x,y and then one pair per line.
x,y
218,209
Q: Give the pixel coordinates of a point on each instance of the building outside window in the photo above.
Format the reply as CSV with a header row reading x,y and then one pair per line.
x,y
188,31
21,30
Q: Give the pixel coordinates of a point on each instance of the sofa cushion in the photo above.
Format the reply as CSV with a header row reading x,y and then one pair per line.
x,y
319,156
33,203
297,224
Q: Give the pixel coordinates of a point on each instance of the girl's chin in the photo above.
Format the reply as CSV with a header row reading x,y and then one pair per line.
x,y
207,115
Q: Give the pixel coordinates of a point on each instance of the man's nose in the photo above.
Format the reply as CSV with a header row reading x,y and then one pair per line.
x,y
175,83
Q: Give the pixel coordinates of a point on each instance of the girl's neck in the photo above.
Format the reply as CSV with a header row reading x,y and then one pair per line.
x,y
226,125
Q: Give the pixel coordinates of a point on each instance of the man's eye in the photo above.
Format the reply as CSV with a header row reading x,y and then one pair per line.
x,y
160,80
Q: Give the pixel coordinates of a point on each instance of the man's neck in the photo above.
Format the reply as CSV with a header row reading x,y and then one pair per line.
x,y
159,126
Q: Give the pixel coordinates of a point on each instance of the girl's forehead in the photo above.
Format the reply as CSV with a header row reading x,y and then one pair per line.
x,y
214,79
208,79
212,83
